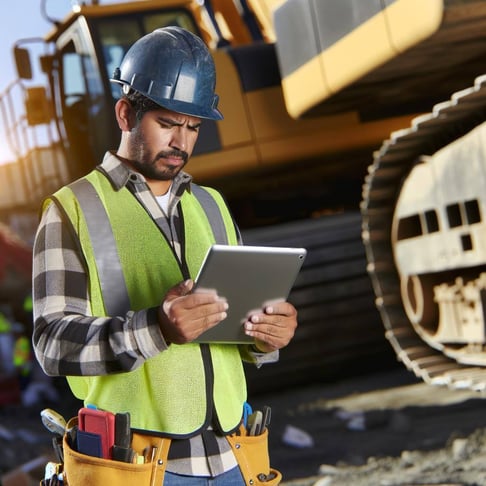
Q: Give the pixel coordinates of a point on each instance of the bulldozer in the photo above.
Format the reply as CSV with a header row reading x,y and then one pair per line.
x,y
352,127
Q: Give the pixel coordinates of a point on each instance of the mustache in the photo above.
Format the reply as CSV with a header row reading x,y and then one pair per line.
x,y
173,153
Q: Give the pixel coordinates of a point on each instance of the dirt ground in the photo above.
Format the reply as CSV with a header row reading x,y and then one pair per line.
x,y
385,429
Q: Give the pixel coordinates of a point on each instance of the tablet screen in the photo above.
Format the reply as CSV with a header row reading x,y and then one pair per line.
x,y
249,277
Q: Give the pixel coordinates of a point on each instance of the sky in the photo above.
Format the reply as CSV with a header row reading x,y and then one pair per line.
x,y
23,19
19,19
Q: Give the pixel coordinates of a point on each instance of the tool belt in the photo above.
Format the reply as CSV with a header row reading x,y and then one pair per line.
x,y
251,452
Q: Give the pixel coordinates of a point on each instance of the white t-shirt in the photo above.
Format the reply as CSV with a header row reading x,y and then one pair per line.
x,y
164,201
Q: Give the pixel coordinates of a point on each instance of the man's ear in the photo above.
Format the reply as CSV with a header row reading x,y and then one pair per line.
x,y
125,115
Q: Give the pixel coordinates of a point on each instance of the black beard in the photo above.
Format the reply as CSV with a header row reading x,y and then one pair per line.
x,y
150,170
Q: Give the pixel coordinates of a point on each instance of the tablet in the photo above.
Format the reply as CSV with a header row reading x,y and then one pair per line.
x,y
249,277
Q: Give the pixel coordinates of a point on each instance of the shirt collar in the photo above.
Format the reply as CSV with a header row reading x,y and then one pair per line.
x,y
119,174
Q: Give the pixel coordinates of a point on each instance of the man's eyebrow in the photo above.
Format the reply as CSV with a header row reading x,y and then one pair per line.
x,y
171,121
168,121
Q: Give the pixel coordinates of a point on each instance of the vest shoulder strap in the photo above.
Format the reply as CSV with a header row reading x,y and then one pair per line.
x,y
211,208
110,274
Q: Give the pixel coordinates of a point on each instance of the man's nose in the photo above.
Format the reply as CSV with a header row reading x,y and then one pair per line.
x,y
179,139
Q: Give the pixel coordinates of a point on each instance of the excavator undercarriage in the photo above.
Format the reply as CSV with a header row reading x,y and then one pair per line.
x,y
435,321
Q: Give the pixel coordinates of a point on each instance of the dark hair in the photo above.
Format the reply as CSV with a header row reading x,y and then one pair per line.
x,y
140,103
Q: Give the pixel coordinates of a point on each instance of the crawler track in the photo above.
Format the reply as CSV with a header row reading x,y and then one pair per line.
x,y
392,162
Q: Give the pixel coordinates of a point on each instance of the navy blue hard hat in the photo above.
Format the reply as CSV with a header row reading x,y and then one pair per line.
x,y
174,68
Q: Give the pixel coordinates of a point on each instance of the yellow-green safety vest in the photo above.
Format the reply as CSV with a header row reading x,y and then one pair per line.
x,y
131,266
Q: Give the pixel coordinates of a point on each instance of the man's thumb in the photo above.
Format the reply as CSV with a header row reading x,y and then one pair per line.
x,y
179,290
186,286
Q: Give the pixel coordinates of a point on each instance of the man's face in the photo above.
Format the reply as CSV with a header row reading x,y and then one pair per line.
x,y
161,143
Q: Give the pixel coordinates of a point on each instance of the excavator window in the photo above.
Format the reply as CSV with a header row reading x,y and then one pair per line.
x,y
473,214
74,86
454,215
409,227
82,97
431,221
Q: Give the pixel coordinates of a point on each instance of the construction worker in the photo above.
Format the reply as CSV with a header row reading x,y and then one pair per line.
x,y
114,261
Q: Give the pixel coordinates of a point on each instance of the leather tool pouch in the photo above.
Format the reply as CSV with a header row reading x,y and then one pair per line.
x,y
84,470
251,452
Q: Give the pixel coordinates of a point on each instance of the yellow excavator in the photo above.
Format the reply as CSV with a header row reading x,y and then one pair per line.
x,y
367,112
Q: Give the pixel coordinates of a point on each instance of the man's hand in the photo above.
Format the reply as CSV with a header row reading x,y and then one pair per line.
x,y
274,328
183,315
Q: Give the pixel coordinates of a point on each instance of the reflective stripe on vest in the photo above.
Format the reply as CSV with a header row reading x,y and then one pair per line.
x,y
112,281
214,214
